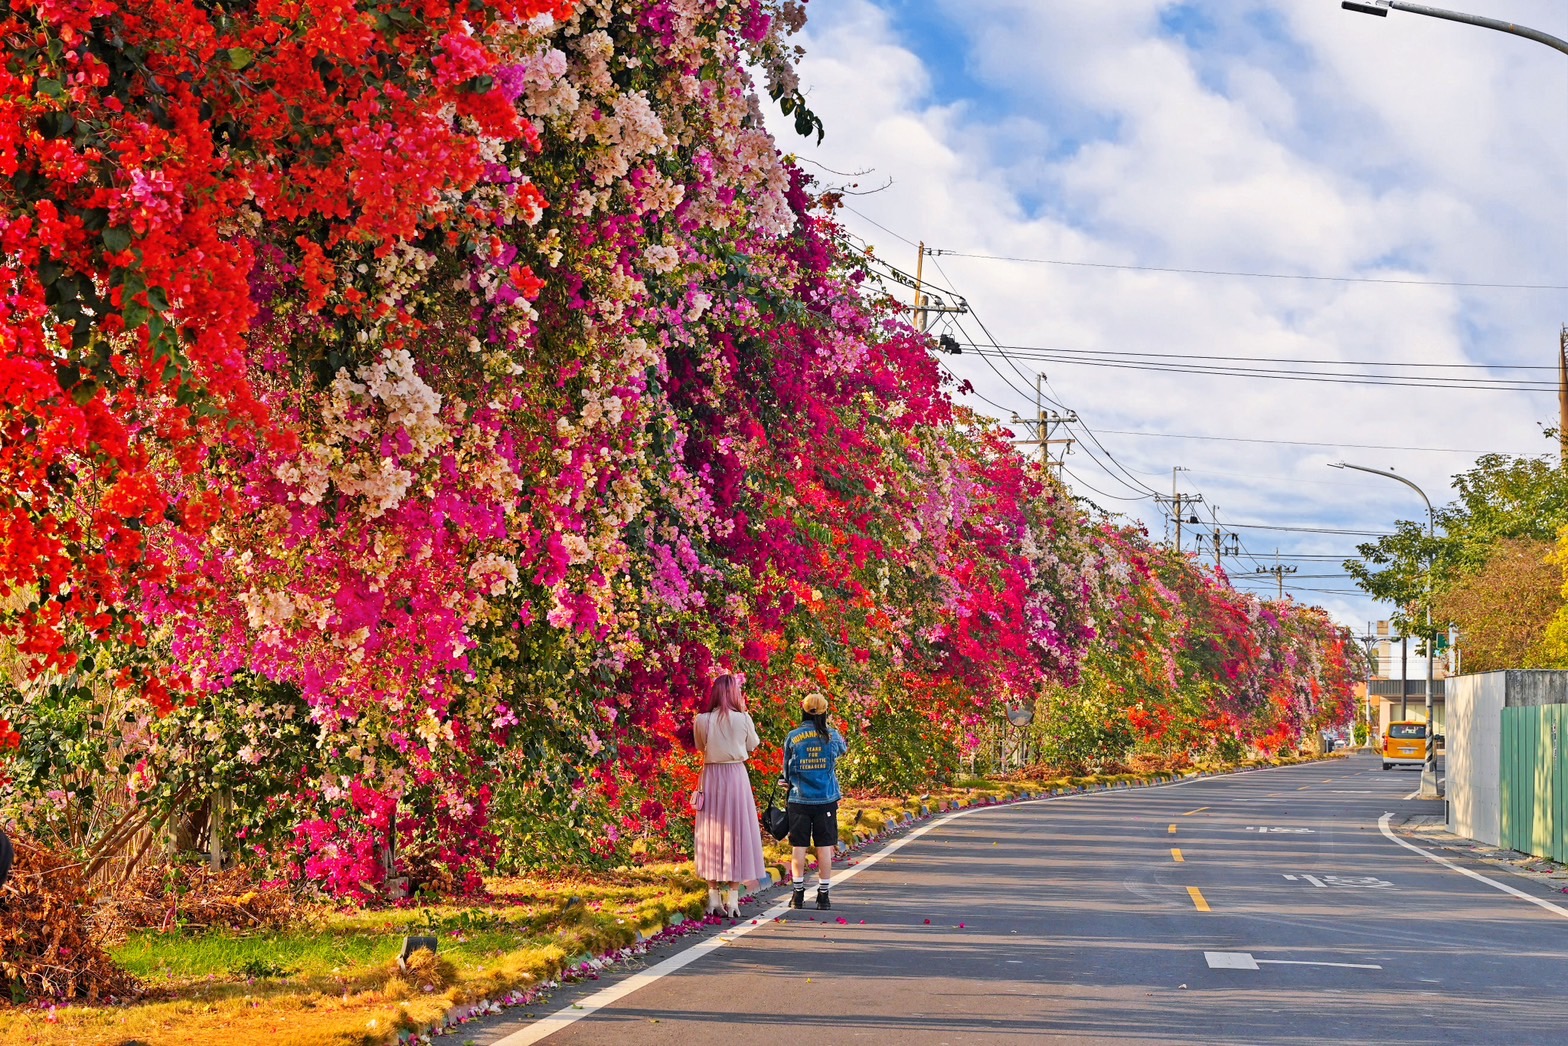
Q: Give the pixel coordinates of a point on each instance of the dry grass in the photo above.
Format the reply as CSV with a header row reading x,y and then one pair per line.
x,y
335,980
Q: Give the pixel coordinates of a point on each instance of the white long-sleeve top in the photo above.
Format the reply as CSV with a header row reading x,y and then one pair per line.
x,y
728,737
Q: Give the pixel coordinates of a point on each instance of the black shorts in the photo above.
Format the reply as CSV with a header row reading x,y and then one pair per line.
x,y
813,824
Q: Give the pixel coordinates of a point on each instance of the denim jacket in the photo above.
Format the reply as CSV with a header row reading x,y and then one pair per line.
x,y
810,763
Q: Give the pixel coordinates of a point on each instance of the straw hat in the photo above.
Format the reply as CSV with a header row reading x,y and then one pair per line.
x,y
814,704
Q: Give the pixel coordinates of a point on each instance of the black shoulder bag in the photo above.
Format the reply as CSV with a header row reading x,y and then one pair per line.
x,y
775,819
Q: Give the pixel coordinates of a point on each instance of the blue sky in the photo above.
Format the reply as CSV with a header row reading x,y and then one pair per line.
x,y
1264,136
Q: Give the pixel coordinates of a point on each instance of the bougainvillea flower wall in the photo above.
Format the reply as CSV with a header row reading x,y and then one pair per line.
x,y
409,405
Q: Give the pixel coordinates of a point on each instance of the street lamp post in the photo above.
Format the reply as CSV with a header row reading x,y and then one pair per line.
x,y
1382,7
1429,789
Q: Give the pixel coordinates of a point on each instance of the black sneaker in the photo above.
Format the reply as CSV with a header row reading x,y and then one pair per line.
x,y
823,902
797,898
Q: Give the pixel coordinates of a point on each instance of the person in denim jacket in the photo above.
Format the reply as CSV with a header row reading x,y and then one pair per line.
x,y
811,754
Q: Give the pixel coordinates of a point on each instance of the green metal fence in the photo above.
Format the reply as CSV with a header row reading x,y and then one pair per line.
x,y
1535,781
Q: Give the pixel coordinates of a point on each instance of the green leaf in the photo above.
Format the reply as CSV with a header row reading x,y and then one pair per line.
x,y
52,88
116,238
240,57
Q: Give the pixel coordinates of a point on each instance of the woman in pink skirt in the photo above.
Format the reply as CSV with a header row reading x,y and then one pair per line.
x,y
728,837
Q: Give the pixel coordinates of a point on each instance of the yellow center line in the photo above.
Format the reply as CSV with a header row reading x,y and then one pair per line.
x,y
1173,830
1177,857
1199,810
1197,899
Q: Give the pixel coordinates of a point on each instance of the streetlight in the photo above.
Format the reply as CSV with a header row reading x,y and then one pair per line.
x,y
1382,7
1429,772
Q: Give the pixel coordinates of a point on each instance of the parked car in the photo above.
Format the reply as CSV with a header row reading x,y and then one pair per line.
x,y
1404,744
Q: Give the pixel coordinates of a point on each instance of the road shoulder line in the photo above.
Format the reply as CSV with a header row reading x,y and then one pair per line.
x,y
1382,824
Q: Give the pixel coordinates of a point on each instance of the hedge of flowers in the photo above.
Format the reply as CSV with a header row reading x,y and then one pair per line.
x,y
410,404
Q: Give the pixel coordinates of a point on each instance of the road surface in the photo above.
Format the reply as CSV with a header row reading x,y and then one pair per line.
x,y
1266,907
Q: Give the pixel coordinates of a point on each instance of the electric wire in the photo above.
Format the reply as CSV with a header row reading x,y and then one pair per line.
x,y
1083,482
1136,485
1339,378
1312,278
1275,359
1313,530
1294,442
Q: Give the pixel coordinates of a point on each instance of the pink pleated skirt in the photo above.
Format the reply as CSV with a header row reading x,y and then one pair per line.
x,y
729,836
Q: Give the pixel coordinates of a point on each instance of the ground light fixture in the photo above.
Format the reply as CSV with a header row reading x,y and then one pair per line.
x,y
1429,789
412,945
1381,8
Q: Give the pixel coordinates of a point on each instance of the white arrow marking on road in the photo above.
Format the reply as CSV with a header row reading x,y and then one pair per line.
x,y
1245,961
1285,831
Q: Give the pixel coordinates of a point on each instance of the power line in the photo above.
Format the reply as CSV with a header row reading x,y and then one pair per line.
x,y
1280,359
879,225
1313,530
1242,274
1293,442
1103,494
1345,378
1136,485
1083,429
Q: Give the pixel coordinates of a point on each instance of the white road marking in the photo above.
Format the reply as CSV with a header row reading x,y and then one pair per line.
x,y
569,1015
1358,882
1245,961
1302,962
1292,831
1230,960
1382,824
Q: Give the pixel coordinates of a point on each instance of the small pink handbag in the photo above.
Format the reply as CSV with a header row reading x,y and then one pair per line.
x,y
697,798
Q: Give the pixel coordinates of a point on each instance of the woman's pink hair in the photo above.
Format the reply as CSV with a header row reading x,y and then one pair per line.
x,y
724,694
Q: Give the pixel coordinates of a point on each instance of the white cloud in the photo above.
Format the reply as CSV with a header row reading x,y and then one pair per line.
x,y
1328,144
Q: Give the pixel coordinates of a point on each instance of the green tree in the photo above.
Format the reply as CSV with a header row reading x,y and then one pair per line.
x,y
1502,497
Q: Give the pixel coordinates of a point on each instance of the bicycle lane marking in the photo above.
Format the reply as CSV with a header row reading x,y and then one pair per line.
x,y
569,1015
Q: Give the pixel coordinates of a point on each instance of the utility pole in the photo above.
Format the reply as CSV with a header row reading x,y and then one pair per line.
x,y
1404,688
1279,573
1562,397
923,307
1180,503
1222,547
1369,644
1045,424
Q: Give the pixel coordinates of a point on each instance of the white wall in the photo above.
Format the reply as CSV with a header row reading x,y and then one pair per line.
x,y
1474,755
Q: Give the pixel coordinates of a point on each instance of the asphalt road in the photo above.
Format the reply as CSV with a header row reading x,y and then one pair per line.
x,y
1192,914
